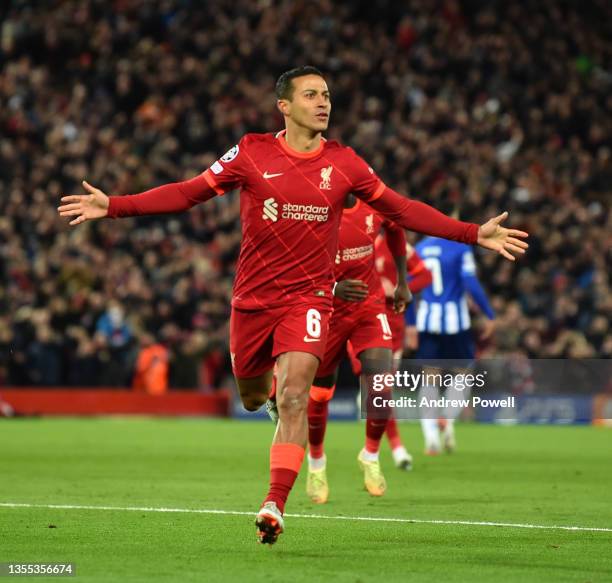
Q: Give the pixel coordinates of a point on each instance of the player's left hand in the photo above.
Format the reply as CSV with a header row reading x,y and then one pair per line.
x,y
402,297
493,236
351,290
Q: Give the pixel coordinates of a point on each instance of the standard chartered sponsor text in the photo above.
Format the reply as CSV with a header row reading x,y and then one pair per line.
x,y
354,253
305,212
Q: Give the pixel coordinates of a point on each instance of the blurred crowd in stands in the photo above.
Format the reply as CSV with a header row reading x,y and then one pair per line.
x,y
495,105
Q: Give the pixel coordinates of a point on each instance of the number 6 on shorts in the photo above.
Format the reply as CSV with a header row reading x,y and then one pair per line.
x,y
313,323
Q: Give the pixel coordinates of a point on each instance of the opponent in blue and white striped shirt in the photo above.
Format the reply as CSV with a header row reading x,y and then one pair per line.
x,y
443,318
443,322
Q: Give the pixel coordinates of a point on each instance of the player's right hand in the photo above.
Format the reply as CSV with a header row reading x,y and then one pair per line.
x,y
84,207
351,290
401,298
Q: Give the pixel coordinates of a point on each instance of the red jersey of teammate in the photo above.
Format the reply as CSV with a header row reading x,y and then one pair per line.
x,y
420,276
360,325
359,228
291,204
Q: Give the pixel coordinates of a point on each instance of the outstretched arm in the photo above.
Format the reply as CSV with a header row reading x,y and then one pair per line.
x,y
225,174
169,198
422,218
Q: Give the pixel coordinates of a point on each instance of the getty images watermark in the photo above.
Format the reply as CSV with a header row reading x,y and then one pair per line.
x,y
424,382
430,392
507,388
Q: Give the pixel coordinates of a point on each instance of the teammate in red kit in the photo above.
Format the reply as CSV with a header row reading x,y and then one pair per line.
x,y
419,278
403,336
359,317
293,187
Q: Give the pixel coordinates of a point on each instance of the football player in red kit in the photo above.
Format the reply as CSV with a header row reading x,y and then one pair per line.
x,y
359,317
293,185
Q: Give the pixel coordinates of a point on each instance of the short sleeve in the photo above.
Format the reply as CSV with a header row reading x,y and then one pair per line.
x,y
365,183
229,171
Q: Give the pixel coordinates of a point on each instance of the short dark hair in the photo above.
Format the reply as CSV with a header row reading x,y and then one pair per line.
x,y
284,85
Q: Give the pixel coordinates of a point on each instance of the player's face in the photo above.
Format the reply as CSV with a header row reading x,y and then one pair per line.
x,y
310,106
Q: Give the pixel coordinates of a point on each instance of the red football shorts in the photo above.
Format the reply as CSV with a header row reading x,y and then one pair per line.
x,y
364,324
257,337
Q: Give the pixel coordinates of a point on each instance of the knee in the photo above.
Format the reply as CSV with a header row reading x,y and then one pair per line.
x,y
293,400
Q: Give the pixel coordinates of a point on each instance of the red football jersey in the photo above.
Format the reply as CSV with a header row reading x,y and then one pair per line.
x,y
359,227
290,207
386,268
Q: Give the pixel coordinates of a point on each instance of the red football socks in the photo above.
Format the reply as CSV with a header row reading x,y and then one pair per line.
x,y
374,432
285,462
376,421
318,405
317,423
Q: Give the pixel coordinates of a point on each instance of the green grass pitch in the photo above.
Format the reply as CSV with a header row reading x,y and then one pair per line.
x,y
533,475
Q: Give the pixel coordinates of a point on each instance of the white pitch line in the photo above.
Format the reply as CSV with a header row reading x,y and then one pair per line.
x,y
315,516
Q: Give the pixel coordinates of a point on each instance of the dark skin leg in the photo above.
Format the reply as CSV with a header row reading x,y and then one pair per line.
x,y
373,360
382,356
328,381
376,360
254,391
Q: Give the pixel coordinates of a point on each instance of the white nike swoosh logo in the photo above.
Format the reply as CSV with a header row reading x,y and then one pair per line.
x,y
306,339
266,175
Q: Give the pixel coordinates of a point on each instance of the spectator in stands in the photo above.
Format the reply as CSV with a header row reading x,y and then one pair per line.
x,y
151,370
114,345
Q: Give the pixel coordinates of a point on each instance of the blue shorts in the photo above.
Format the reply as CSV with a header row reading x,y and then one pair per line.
x,y
458,346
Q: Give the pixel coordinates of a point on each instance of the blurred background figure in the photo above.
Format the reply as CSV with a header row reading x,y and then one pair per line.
x,y
151,370
114,343
6,409
112,329
44,357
